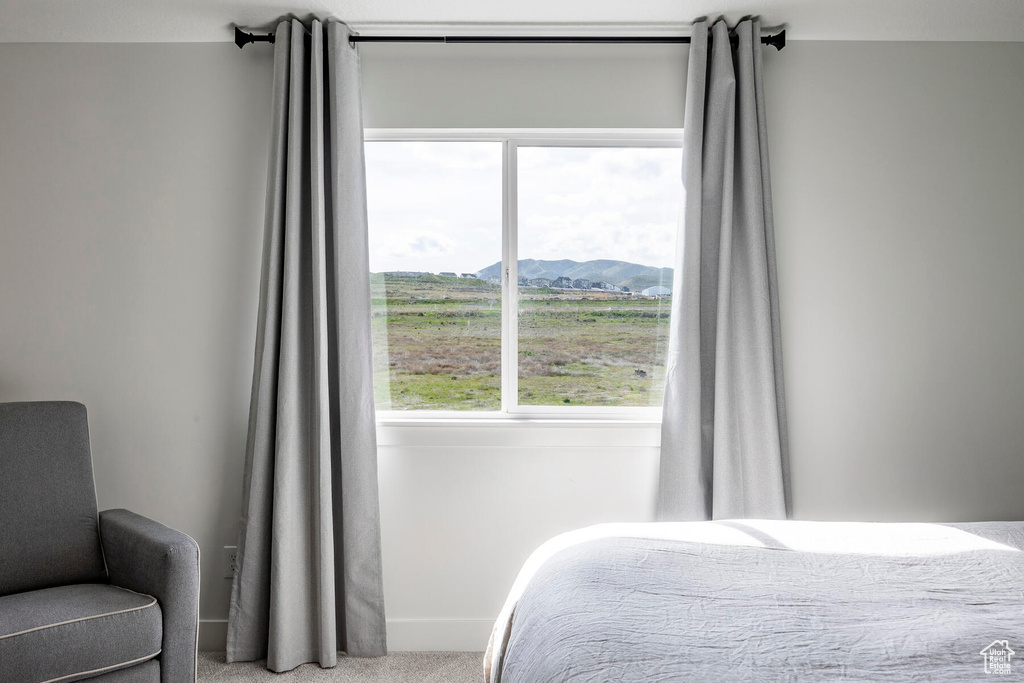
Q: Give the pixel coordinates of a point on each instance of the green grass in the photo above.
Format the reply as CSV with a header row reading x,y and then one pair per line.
x,y
437,346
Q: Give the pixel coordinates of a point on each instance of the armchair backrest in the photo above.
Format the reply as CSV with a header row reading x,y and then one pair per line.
x,y
49,535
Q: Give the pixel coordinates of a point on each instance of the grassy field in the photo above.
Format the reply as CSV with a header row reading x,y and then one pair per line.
x,y
437,346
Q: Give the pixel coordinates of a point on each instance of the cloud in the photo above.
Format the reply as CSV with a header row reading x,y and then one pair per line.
x,y
599,203
437,206
407,243
434,206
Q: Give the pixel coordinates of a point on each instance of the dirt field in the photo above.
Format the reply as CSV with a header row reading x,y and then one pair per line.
x,y
437,346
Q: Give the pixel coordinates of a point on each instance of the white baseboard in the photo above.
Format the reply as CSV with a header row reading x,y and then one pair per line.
x,y
404,635
213,635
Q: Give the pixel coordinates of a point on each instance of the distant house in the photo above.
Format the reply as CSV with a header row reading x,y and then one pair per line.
x,y
562,282
405,273
539,282
581,283
657,290
445,273
469,276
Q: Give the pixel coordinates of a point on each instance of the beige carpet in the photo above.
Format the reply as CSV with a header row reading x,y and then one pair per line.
x,y
397,667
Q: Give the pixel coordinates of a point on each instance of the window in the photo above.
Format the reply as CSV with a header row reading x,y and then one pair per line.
x,y
521,272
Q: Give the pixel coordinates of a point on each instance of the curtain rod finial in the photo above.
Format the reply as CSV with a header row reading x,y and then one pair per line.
x,y
242,38
778,41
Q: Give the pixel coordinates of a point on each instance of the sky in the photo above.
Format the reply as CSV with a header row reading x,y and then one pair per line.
x,y
436,206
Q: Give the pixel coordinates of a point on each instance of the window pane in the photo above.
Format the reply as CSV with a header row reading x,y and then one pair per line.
x,y
596,240
435,223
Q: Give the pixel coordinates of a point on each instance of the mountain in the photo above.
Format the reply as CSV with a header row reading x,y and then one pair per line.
x,y
621,273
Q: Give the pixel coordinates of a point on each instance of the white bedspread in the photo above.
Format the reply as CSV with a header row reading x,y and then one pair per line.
x,y
766,600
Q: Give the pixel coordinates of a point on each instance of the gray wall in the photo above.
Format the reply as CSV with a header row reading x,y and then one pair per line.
x,y
131,186
131,197
898,172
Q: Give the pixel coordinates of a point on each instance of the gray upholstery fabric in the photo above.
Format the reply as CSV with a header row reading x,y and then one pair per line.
x,y
73,632
147,672
148,557
50,538
48,532
724,444
309,582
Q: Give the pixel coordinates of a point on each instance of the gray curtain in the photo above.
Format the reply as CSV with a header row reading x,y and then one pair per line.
x,y
309,577
724,446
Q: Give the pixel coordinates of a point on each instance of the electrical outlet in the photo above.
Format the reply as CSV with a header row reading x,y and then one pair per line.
x,y
229,561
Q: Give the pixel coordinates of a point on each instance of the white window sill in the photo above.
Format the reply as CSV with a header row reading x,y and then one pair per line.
x,y
519,420
497,431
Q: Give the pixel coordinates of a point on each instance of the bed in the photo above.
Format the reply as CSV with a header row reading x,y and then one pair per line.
x,y
765,600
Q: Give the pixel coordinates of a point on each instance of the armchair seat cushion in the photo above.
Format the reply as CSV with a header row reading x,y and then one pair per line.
x,y
74,632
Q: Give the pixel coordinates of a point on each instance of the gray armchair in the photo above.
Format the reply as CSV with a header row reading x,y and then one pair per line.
x,y
112,597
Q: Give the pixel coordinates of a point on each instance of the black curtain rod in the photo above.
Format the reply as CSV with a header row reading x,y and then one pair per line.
x,y
778,41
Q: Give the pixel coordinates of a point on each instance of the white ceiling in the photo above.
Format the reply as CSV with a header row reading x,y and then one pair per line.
x,y
118,21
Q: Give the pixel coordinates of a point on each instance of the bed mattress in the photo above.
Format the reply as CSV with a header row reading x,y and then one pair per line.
x,y
766,600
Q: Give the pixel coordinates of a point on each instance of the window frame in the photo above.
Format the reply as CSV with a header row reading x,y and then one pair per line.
x,y
512,139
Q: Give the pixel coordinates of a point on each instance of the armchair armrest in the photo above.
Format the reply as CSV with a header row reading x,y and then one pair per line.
x,y
148,557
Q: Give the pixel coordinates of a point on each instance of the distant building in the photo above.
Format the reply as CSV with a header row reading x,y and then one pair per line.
x,y
657,290
469,276
445,273
562,282
539,282
405,273
581,283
